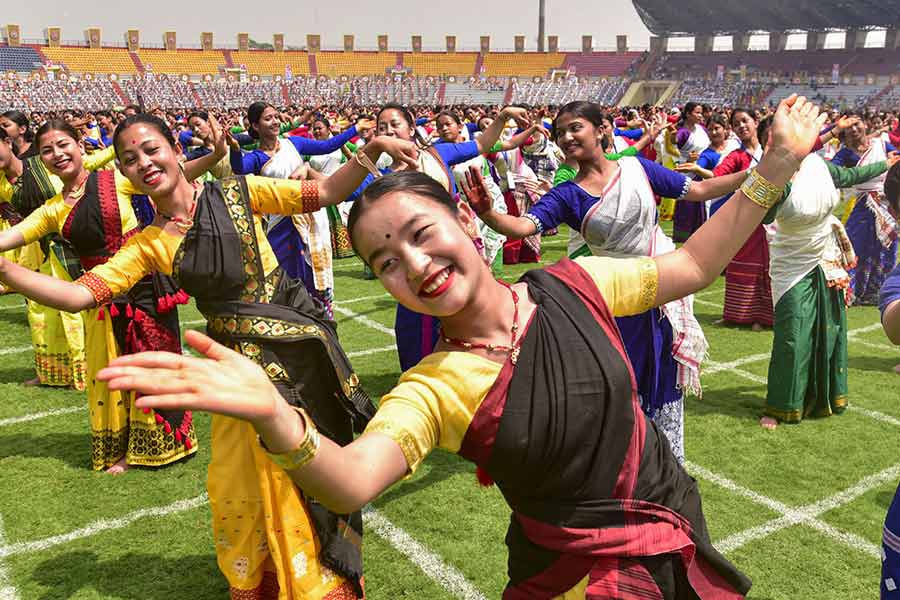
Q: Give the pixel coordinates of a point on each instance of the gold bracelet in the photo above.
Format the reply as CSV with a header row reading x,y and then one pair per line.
x,y
761,191
366,163
304,453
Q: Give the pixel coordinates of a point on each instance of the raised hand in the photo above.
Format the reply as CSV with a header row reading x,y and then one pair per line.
x,y
476,192
224,382
892,158
688,167
403,151
520,115
219,137
363,125
796,126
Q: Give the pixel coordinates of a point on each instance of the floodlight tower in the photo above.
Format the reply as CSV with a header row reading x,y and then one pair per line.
x,y
542,6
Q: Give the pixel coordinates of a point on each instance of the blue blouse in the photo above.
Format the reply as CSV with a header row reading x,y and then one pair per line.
x,y
846,157
569,203
890,290
253,162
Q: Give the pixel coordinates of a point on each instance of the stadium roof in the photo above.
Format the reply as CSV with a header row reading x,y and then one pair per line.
x,y
664,17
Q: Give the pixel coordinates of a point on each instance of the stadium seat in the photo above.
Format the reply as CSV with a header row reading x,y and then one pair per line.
x,y
22,59
600,64
190,62
92,60
334,64
524,64
438,63
268,63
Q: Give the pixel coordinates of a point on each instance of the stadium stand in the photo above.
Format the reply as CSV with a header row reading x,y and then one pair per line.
x,y
844,96
92,60
475,92
439,64
22,59
600,64
238,94
335,64
605,91
663,17
268,63
521,64
43,95
189,62
720,93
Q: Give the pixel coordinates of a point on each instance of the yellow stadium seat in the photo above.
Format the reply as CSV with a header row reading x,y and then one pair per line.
x,y
192,62
334,64
267,62
92,60
523,64
438,63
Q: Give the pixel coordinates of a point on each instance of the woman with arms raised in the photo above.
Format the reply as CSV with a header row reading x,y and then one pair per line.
x,y
613,206
210,238
530,381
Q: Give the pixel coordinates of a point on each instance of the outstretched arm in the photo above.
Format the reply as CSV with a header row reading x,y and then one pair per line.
x,y
703,257
344,479
44,289
490,136
480,199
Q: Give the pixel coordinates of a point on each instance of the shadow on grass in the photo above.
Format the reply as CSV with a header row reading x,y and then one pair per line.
x,y
441,465
144,576
14,317
742,402
73,449
19,375
878,364
378,385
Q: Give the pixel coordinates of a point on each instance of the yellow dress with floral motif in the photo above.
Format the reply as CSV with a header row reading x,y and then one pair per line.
x,y
265,542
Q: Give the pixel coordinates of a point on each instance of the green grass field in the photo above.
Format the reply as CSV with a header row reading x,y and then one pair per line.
x,y
800,509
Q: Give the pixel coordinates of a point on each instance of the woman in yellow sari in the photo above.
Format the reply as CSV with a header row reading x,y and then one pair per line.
x,y
271,541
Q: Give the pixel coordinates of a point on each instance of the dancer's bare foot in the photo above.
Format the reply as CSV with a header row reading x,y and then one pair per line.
x,y
756,327
118,468
897,369
32,382
768,423
719,322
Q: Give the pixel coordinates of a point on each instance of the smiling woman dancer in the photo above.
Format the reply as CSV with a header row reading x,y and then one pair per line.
x,y
210,238
613,205
530,381
96,218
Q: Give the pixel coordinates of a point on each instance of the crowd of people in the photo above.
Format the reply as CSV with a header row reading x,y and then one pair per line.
x,y
111,219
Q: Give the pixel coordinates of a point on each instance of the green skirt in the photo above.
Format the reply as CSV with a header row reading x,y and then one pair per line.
x,y
808,371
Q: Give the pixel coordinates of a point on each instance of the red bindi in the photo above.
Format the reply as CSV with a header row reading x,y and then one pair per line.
x,y
134,141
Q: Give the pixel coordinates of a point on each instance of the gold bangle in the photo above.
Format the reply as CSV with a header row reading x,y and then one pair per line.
x,y
761,191
366,163
304,453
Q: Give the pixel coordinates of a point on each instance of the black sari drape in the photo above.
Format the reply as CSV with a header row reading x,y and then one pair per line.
x,y
93,229
594,487
273,320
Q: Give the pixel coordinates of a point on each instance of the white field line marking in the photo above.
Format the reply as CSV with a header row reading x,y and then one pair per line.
x,y
17,350
713,367
40,415
371,351
430,563
707,303
804,515
362,299
103,525
7,591
363,319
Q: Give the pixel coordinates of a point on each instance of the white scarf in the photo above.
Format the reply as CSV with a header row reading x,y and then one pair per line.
x,y
623,223
312,227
